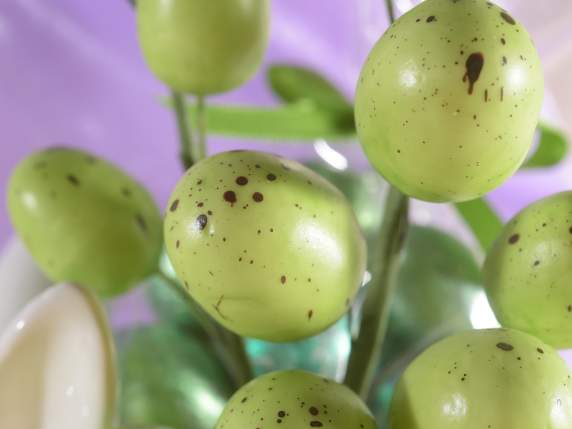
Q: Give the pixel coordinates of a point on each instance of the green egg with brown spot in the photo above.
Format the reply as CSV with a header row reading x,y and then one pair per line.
x,y
269,248
293,400
448,100
487,379
528,271
84,220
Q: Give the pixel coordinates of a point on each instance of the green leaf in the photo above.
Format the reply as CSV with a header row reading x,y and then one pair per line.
x,y
482,220
301,121
294,84
551,149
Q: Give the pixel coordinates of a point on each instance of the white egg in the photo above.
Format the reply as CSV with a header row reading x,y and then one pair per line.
x,y
20,279
56,364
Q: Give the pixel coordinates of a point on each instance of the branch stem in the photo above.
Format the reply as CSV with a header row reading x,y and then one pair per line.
x,y
228,346
201,146
185,136
390,10
366,349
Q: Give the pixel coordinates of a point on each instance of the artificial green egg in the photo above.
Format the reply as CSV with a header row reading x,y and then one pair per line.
x,y
269,248
436,288
493,379
294,400
203,46
169,379
529,270
448,100
84,220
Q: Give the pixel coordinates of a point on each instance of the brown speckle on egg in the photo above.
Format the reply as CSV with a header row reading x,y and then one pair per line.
x,y
230,197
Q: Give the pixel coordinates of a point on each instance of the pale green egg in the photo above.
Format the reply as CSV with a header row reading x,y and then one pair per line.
x,y
295,400
169,379
84,220
493,379
528,271
448,100
203,46
269,248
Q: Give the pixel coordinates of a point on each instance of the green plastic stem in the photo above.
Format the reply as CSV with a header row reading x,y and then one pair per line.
x,y
367,348
185,137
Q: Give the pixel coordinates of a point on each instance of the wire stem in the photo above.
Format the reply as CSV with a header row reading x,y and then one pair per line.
x,y
390,10
229,347
366,349
201,146
185,137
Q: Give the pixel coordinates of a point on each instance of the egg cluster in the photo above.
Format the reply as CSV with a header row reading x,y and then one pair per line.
x,y
446,107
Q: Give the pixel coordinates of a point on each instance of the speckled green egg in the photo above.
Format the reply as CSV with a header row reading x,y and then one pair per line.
x,y
269,248
489,379
448,100
528,272
84,220
295,400
203,46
